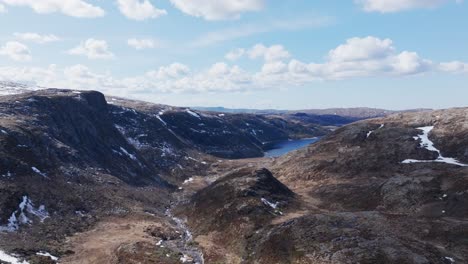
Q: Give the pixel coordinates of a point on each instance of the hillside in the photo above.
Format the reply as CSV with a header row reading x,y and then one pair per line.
x,y
91,179
387,190
69,160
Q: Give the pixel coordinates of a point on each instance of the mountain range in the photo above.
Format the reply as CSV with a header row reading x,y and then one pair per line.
x,y
89,178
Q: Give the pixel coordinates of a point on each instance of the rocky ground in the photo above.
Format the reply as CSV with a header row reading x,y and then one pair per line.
x,y
355,198
89,179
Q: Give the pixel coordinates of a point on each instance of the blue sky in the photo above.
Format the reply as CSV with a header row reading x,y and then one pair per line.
x,y
299,54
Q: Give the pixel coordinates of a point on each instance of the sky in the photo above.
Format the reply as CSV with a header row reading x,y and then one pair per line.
x,y
298,54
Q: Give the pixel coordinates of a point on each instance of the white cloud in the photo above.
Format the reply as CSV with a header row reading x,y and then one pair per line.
x,y
173,71
74,8
269,54
16,51
276,67
361,57
37,38
93,49
357,49
218,9
356,58
235,54
454,67
140,44
2,9
389,6
139,10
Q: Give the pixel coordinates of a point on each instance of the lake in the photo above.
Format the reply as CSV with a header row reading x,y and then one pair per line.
x,y
282,147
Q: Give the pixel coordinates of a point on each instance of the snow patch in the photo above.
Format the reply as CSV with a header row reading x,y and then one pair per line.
x,y
36,170
47,254
452,260
11,259
186,259
7,175
189,180
372,131
131,156
160,119
270,204
190,112
20,216
429,145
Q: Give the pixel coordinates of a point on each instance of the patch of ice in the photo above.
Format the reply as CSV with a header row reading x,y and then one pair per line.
x,y
429,145
47,254
190,112
11,259
36,170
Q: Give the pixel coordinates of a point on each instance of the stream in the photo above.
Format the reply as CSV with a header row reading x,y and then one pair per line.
x,y
191,253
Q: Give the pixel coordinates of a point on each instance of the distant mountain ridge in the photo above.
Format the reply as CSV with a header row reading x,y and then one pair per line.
x,y
355,112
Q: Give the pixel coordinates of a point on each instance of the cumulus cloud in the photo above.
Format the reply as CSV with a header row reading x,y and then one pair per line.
x,y
355,58
218,9
16,51
37,38
454,67
93,49
359,57
74,8
235,54
269,54
140,44
139,10
356,49
172,71
388,6
272,53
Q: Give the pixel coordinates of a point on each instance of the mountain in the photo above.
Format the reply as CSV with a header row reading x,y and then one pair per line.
x,y
324,117
69,159
86,178
385,190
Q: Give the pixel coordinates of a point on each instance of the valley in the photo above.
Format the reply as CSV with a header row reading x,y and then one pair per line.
x,y
111,180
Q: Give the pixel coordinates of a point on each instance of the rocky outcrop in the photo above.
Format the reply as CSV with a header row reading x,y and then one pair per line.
x,y
234,207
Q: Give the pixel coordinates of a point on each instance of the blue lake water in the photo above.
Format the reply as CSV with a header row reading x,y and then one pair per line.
x,y
282,147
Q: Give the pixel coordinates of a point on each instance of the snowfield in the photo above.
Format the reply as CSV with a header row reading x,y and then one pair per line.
x,y
429,145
